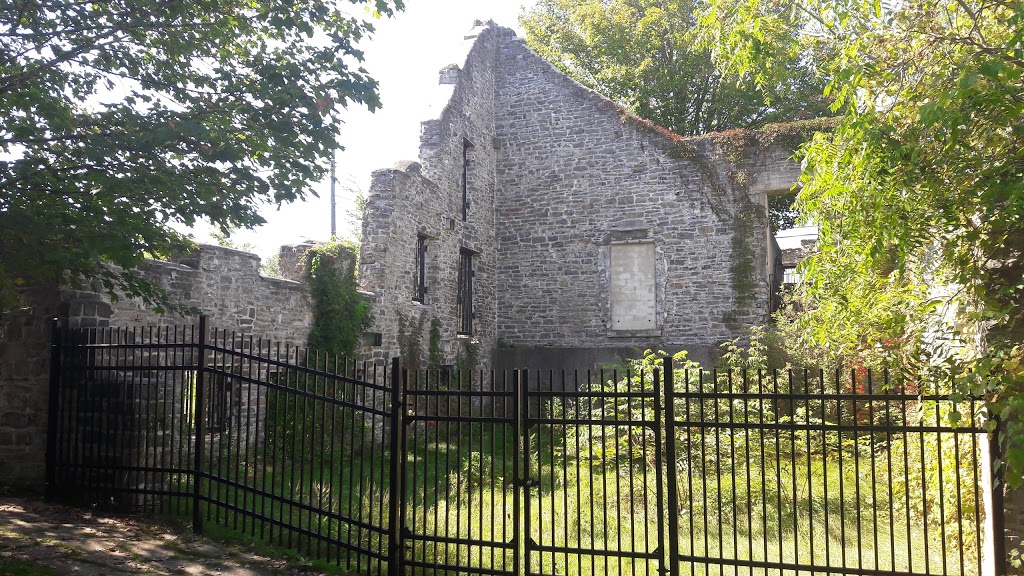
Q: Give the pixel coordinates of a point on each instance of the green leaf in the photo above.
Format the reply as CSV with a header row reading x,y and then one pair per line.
x,y
991,68
215,120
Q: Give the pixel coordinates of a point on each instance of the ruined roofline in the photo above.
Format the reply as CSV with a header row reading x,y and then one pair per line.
x,y
789,134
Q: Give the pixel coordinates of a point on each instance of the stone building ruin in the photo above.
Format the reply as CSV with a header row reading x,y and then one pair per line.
x,y
222,282
545,226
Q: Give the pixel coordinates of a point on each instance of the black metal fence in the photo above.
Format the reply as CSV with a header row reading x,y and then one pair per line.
x,y
652,469
279,443
854,473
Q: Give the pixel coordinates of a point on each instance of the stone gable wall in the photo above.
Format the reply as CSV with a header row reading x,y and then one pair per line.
x,y
573,178
557,175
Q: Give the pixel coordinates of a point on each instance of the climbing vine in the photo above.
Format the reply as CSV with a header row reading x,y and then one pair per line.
x,y
434,356
743,283
410,338
467,362
736,146
340,313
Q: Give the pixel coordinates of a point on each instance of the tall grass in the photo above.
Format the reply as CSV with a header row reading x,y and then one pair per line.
x,y
759,482
298,465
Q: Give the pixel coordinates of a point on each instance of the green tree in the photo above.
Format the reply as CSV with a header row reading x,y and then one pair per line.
x,y
919,192
122,118
641,53
782,215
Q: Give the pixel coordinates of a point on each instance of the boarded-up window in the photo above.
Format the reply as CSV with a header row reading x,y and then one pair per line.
x,y
633,286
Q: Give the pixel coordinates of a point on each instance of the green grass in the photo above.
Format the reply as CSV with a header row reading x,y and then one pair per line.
x,y
743,497
774,506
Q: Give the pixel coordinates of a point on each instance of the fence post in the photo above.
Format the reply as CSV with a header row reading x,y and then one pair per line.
x,y
670,466
516,480
397,500
523,398
52,411
659,465
998,502
197,471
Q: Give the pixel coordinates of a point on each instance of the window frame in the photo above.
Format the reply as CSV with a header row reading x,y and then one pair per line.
x,y
622,318
420,282
464,314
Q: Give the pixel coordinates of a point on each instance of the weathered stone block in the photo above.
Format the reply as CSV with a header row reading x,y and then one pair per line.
x,y
567,173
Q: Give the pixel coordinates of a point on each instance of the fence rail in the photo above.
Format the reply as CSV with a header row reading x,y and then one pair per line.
x,y
649,470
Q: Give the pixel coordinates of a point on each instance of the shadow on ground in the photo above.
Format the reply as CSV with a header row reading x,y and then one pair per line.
x,y
73,541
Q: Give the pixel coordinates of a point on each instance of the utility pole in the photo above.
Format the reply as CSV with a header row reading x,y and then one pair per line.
x,y
334,224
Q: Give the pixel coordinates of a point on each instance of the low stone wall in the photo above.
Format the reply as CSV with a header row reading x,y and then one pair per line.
x,y
223,283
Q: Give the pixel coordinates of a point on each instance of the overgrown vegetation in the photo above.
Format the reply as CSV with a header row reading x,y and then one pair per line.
x,y
916,192
745,221
761,476
772,469
771,480
434,355
410,341
340,313
641,53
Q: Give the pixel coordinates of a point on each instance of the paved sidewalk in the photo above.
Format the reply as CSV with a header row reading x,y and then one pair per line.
x,y
74,541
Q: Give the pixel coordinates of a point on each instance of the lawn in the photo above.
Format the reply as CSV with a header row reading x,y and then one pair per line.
x,y
597,481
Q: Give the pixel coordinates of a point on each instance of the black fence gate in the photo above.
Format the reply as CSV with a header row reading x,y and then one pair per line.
x,y
275,442
594,472
654,469
461,504
813,473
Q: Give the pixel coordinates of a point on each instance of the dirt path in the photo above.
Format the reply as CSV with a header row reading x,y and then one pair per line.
x,y
73,541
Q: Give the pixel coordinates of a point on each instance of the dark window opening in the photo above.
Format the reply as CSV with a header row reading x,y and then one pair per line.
x,y
466,146
445,373
420,292
464,308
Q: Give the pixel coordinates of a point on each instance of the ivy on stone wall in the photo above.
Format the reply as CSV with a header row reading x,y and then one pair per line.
x,y
340,313
466,364
743,267
410,337
434,356
737,147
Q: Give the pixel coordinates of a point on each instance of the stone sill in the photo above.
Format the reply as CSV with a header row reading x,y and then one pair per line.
x,y
634,333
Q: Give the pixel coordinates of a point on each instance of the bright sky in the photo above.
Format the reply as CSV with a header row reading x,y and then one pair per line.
x,y
404,56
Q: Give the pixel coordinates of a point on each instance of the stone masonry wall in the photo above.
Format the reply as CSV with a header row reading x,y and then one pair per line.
x,y
291,260
25,337
223,283
576,176
425,198
558,175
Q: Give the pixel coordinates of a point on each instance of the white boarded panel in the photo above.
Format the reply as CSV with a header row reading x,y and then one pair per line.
x,y
632,286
